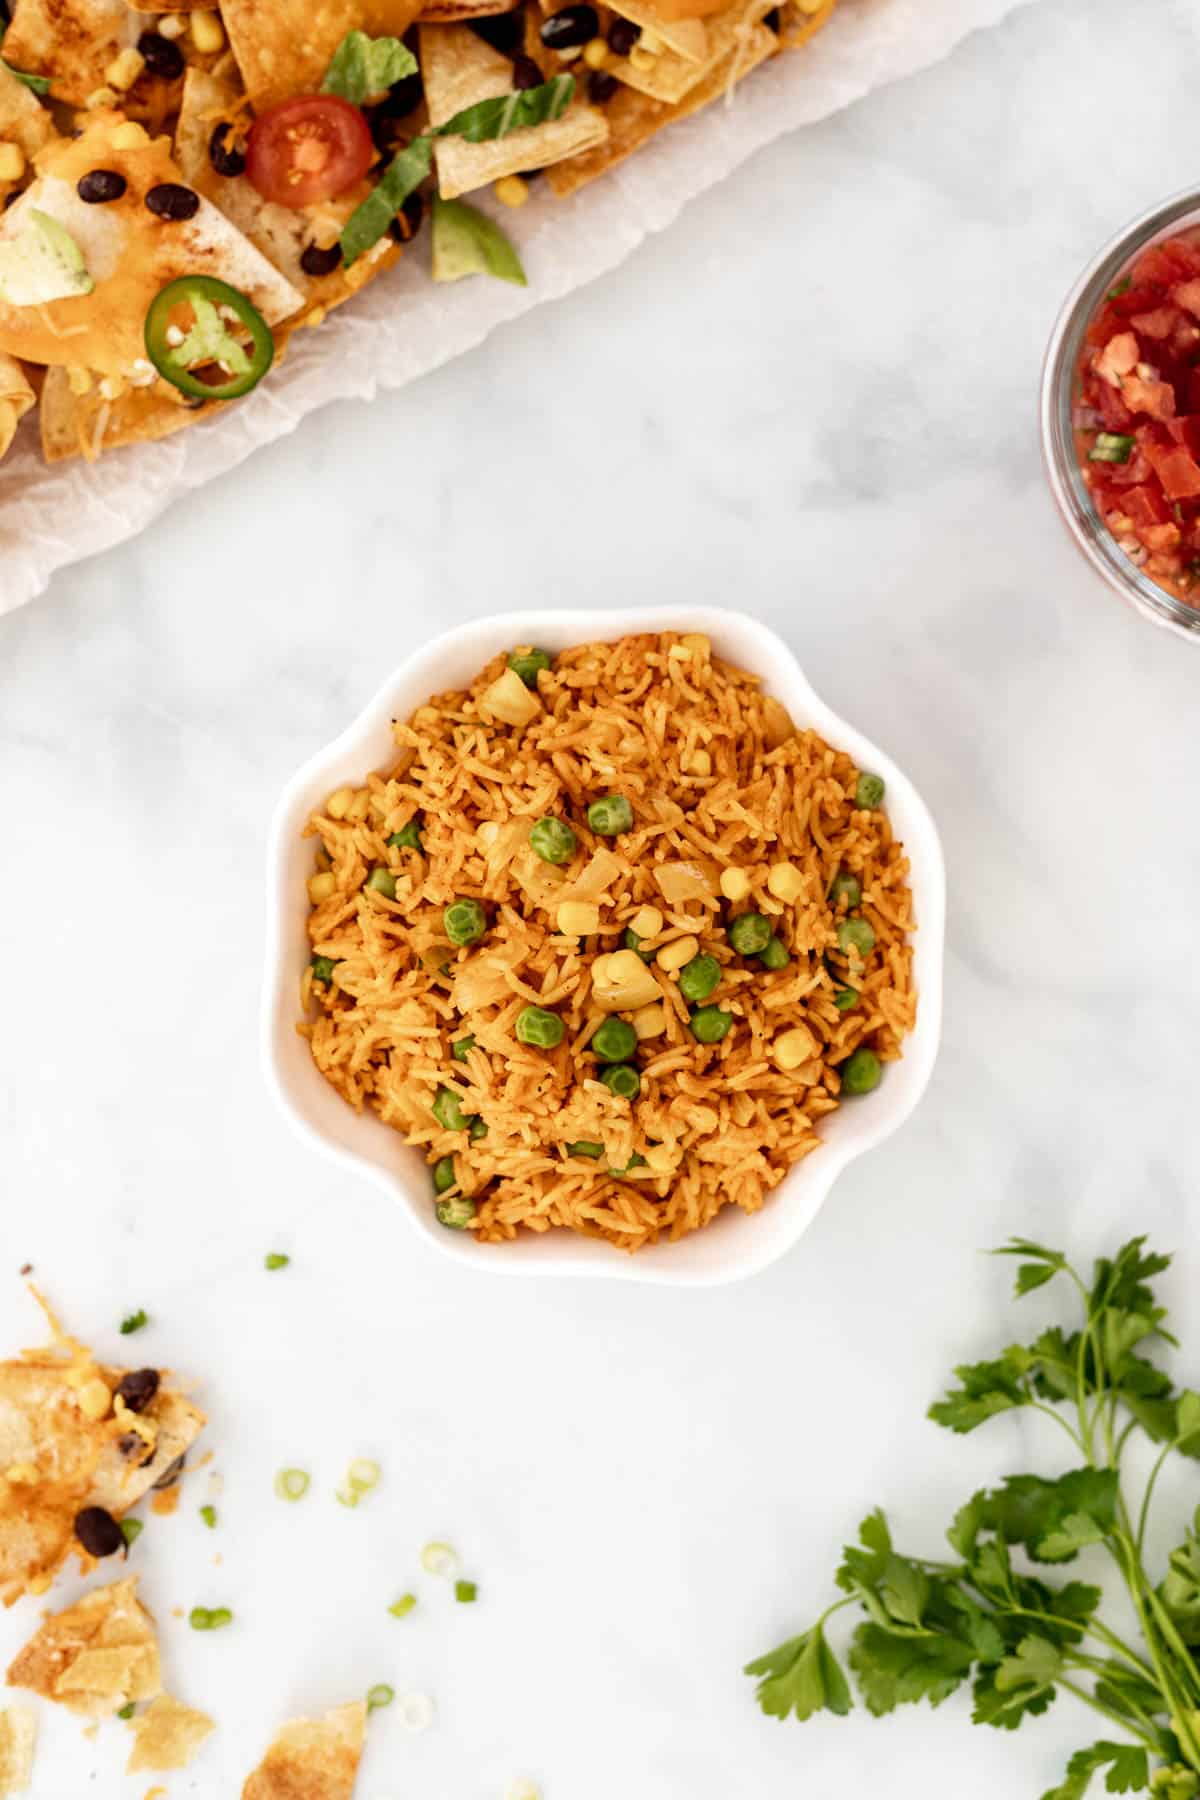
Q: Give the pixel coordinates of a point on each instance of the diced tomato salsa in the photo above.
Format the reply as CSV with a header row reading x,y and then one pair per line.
x,y
1137,415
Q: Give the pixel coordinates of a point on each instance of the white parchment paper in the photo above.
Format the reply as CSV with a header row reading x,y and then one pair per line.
x,y
402,325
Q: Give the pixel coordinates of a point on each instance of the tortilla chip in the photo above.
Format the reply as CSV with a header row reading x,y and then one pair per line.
x,y
459,70
282,233
688,38
94,1656
796,25
72,41
670,76
18,1735
283,47
86,424
312,1759
55,1460
450,12
24,121
130,253
167,1736
16,398
634,118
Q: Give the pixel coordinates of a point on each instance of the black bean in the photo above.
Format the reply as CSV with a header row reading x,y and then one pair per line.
x,y
573,25
315,261
772,20
623,34
100,185
386,119
225,156
162,56
601,86
98,1531
526,73
504,32
407,223
171,1473
138,1388
135,1449
170,200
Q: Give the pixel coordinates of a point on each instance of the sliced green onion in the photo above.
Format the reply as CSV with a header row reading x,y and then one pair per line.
x,y
440,1559
585,1147
1122,287
132,1529
209,1515
1111,447
363,1474
401,1608
126,1711
465,1592
275,1259
203,1618
381,1695
134,1321
416,1712
292,1484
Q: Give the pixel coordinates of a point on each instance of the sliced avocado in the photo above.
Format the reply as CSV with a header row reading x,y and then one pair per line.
x,y
467,242
42,262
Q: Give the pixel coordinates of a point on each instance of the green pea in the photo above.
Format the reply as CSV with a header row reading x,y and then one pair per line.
x,y
855,937
846,999
553,840
585,1147
322,968
610,816
615,1041
528,664
869,791
622,1079
846,887
750,933
443,1174
709,1024
861,1073
382,881
462,1048
632,941
447,1110
543,1030
775,955
476,1128
455,1214
465,921
407,838
699,978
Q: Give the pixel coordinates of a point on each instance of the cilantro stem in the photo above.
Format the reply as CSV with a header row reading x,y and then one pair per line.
x,y
1110,1712
1051,1413
1144,1514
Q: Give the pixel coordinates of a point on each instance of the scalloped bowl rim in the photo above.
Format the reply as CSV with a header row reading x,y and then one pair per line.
x,y
734,1245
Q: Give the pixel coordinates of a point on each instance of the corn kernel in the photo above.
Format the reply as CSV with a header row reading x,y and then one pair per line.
x,y
99,98
510,700
338,803
673,956
95,1398
785,881
510,190
641,59
679,653
649,1021
697,643
316,316
207,33
22,1474
595,53
39,1584
487,833
621,982
646,922
701,763
125,68
359,806
322,887
791,1048
12,162
778,723
129,135
651,41
735,884
660,1159
171,25
577,918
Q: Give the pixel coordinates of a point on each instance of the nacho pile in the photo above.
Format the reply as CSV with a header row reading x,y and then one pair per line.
x,y
183,190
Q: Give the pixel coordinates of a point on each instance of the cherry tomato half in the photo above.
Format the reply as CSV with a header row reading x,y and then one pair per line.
x,y
307,149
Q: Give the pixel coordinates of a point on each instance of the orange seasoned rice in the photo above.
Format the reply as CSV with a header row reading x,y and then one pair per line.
x,y
720,782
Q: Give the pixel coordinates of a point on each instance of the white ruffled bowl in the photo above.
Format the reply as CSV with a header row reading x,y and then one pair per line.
x,y
734,1245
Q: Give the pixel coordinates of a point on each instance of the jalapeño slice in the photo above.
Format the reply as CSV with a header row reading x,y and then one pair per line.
x,y
212,339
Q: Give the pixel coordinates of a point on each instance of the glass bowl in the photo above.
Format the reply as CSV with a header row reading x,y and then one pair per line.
x,y
1057,405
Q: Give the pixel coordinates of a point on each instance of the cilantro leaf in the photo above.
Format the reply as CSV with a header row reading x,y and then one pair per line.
x,y
987,1388
1180,1590
1074,1534
1121,1282
1007,1708
1128,1771
801,1678
904,1590
895,1671
363,67
1043,1266
863,1568
1036,1664
1031,1511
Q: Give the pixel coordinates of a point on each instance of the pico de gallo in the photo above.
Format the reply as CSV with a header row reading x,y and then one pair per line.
x,y
1137,413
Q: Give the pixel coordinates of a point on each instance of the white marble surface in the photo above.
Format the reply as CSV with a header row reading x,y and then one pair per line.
x,y
813,397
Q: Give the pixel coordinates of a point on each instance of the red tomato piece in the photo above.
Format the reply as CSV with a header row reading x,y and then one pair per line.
x,y
1187,295
1155,398
1145,506
1176,469
1186,431
1112,409
1175,260
1160,537
310,148
1158,324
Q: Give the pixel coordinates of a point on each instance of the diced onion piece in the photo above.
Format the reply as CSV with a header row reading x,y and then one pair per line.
x,y
416,1711
680,881
441,1559
621,982
510,700
598,876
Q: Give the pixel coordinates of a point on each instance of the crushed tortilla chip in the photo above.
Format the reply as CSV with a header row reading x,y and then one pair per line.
x,y
18,1736
167,1735
312,1759
94,1656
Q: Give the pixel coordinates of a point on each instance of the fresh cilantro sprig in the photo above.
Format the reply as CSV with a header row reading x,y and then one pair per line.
x,y
992,1616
